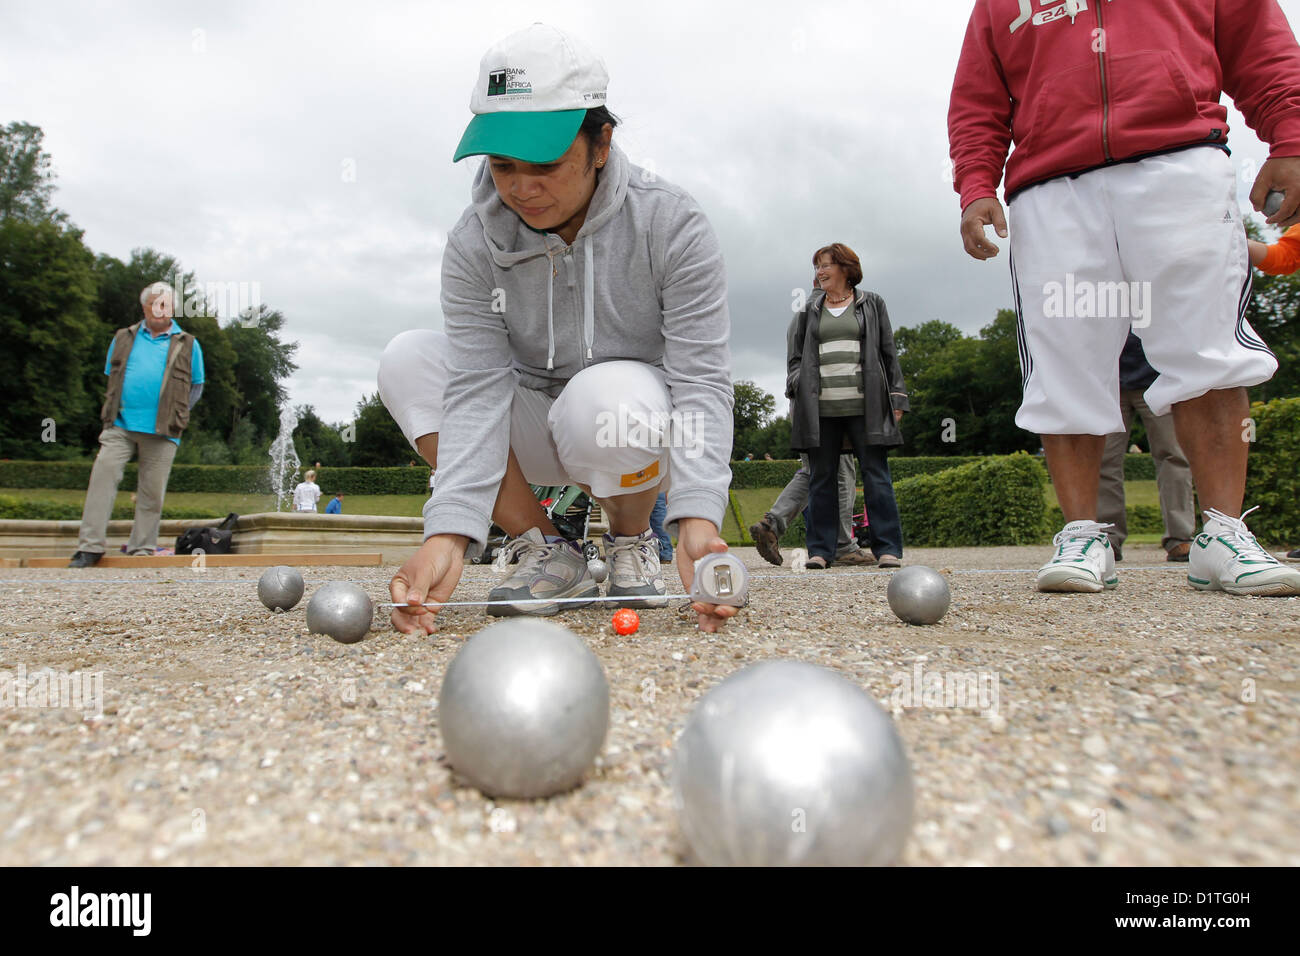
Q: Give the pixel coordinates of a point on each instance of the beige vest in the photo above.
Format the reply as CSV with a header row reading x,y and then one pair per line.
x,y
173,397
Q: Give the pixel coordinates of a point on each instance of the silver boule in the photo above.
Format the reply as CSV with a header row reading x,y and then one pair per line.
x,y
919,595
523,709
1273,201
598,569
342,610
786,763
280,588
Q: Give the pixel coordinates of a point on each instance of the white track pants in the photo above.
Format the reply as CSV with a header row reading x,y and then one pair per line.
x,y
1157,244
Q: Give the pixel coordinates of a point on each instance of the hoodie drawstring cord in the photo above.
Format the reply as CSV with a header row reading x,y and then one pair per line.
x,y
550,311
589,294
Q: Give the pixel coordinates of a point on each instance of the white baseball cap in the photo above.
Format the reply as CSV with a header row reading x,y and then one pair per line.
x,y
534,89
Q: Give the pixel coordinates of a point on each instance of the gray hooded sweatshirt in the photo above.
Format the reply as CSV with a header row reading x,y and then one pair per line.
x,y
643,281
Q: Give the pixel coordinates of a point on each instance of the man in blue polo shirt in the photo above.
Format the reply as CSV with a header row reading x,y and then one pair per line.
x,y
155,375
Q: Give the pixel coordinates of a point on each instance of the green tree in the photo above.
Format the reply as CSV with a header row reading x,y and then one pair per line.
x,y
262,361
47,295
26,181
964,391
317,441
750,414
379,442
118,307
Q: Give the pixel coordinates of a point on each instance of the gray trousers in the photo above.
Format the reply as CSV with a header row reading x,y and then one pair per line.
x,y
115,448
794,497
1173,475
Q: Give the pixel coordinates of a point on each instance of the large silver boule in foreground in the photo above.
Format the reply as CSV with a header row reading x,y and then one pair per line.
x,y
343,611
523,709
280,588
786,763
919,595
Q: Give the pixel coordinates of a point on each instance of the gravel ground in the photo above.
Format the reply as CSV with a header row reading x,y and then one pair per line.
x,y
1149,725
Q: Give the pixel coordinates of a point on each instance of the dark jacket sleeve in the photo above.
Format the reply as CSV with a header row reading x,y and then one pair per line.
x,y
889,359
794,352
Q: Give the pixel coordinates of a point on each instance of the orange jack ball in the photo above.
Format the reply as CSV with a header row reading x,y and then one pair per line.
x,y
626,621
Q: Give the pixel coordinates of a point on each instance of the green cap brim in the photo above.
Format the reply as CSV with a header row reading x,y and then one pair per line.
x,y
529,137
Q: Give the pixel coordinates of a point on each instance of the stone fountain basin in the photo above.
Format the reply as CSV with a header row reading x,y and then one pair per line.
x,y
396,538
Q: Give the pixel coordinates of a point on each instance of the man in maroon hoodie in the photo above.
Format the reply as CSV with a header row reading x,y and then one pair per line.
x,y
1122,212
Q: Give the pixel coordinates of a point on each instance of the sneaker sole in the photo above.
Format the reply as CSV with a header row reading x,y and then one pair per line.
x,y
1264,589
1067,580
543,610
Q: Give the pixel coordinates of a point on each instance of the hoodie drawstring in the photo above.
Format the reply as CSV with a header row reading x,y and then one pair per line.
x,y
589,294
550,311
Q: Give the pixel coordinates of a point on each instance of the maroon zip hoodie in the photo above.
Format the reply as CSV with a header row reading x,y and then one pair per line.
x,y
1087,83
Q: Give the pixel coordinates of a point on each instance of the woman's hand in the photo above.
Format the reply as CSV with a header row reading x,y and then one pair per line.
x,y
696,537
898,415
431,574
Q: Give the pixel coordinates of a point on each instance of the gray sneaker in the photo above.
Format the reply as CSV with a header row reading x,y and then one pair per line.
x,y
545,570
634,570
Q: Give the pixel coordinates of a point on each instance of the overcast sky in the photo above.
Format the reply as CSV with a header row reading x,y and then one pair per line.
x,y
306,147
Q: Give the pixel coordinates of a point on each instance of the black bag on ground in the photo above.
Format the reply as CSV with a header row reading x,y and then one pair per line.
x,y
218,540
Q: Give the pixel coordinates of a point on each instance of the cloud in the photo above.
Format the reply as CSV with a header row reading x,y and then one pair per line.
x,y
307,147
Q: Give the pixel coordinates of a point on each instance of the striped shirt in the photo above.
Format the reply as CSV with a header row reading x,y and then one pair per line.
x,y
840,353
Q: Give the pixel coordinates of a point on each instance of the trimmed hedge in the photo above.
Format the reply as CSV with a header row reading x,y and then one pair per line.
x,y
34,509
1273,477
227,479
777,474
1142,519
254,479
993,501
1139,468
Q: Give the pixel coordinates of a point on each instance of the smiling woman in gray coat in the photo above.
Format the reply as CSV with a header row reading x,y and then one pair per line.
x,y
846,388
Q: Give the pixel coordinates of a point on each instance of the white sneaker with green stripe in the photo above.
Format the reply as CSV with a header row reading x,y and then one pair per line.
x,y
1084,560
1225,556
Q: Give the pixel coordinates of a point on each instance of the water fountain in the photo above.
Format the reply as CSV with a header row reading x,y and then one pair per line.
x,y
284,460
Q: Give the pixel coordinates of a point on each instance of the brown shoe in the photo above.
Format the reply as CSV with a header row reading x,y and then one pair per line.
x,y
1180,552
888,561
765,540
856,557
815,563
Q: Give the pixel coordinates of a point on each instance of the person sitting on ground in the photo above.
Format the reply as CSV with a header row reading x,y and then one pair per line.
x,y
335,507
307,493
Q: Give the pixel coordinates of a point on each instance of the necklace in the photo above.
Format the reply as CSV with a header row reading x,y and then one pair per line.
x,y
846,297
